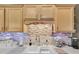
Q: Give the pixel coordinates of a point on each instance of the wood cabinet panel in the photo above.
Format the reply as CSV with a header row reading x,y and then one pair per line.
x,y
47,11
30,11
38,11
13,19
1,19
65,19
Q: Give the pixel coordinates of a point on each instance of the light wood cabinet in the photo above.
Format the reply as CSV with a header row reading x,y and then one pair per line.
x,y
38,11
13,19
62,15
30,11
65,18
1,19
47,11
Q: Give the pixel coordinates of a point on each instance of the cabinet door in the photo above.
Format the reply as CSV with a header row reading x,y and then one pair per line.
x,y
1,19
13,19
65,19
47,11
30,11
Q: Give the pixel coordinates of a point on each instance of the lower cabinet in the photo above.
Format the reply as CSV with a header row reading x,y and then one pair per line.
x,y
13,19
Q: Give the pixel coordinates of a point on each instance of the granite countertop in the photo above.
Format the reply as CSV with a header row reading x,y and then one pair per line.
x,y
39,50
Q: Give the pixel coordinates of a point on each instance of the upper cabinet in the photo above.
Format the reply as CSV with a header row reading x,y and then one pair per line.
x,y
1,19
13,19
62,16
65,18
30,11
47,11
38,11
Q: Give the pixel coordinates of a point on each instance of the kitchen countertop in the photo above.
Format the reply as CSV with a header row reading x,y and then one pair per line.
x,y
39,50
